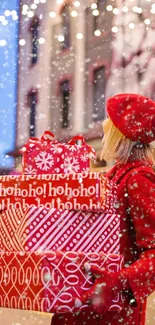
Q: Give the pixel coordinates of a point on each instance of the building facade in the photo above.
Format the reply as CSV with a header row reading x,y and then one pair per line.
x,y
75,54
64,63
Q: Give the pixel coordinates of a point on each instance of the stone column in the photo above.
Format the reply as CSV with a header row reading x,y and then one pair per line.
x,y
79,72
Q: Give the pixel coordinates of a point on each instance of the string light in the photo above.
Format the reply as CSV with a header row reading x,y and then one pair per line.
x,y
15,17
74,13
30,14
94,5
2,42
131,25
79,36
116,11
109,8
7,13
2,18
4,22
140,10
125,9
95,12
61,38
77,4
41,40
137,9
33,6
22,42
52,14
25,7
147,21
24,12
97,32
114,29
13,12
152,10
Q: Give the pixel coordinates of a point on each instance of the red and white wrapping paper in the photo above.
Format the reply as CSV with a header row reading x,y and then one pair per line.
x,y
50,281
83,191
45,155
39,229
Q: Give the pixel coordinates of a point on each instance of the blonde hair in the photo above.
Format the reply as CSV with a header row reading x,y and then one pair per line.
x,y
119,148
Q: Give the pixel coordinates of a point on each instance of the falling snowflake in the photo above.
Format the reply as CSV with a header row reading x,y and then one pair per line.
x,y
84,157
30,170
44,161
71,165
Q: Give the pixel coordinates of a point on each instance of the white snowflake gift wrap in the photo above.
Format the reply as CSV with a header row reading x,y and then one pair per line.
x,y
51,281
46,156
39,229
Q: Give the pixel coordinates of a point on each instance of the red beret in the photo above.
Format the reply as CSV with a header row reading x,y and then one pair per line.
x,y
134,116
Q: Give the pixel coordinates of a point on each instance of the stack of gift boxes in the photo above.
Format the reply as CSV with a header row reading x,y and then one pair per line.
x,y
44,247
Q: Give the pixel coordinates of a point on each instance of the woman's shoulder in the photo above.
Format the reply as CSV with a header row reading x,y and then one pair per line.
x,y
121,171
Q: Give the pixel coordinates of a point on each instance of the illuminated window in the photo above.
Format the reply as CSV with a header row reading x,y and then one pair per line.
x,y
101,8
65,27
34,40
65,95
99,94
32,103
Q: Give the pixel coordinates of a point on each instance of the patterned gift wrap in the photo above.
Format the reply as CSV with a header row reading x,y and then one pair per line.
x,y
83,191
36,229
45,155
50,281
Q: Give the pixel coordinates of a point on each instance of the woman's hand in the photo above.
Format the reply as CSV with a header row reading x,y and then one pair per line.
x,y
105,289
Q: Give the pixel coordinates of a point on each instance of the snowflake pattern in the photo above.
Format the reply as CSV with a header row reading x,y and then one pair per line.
x,y
84,157
72,147
30,170
71,165
56,149
44,161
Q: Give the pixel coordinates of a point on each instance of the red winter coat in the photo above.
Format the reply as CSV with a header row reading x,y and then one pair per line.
x,y
136,193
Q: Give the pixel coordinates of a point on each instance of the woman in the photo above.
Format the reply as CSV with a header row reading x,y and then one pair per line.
x,y
128,133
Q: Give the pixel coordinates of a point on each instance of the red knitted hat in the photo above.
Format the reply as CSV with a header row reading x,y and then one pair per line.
x,y
134,116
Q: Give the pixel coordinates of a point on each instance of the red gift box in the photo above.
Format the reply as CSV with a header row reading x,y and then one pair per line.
x,y
45,155
40,229
83,191
50,281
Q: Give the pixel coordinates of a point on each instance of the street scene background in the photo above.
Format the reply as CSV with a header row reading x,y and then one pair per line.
x,y
59,62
